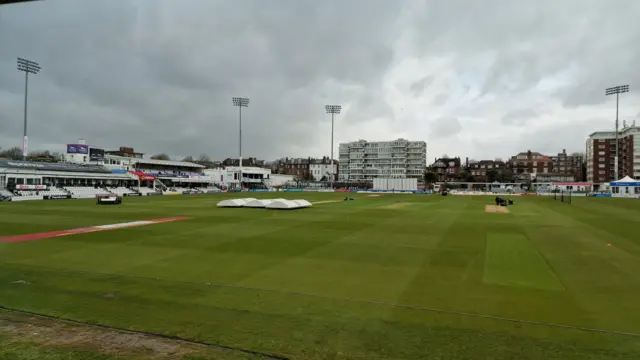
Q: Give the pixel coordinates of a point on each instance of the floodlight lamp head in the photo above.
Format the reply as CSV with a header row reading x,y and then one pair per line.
x,y
240,101
333,109
28,66
617,90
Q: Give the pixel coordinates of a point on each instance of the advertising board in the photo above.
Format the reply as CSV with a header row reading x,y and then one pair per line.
x,y
96,154
31,187
56,197
78,149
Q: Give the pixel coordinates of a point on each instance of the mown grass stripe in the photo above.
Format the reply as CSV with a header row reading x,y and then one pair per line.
x,y
512,260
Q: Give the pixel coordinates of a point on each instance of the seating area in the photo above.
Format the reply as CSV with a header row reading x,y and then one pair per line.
x,y
121,190
176,190
86,191
145,190
52,191
6,193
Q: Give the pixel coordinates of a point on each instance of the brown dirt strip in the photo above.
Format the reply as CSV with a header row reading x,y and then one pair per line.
x,y
326,202
496,209
50,332
374,195
50,234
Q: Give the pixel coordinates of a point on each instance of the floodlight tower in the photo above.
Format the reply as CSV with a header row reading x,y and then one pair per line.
x,y
29,67
610,91
333,110
240,102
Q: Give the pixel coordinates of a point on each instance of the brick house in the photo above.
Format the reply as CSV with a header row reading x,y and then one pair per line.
x,y
526,165
480,169
446,169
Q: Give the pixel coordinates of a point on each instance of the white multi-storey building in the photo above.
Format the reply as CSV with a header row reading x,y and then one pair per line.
x,y
365,161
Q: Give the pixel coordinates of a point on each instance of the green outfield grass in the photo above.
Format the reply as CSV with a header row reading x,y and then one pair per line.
x,y
390,277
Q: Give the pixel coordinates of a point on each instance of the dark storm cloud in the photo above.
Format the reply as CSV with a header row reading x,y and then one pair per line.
x,y
160,75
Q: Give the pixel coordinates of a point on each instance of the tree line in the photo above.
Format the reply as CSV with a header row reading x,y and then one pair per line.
x,y
15,153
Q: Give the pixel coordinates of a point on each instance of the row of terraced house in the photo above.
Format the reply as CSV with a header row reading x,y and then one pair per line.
x,y
526,166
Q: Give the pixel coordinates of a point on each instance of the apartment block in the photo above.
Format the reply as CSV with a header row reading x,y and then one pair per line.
x,y
601,154
364,161
568,166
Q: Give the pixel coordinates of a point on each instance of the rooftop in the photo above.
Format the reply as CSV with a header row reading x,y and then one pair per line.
x,y
46,166
170,163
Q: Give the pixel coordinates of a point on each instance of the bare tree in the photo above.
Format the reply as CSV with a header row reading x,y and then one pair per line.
x,y
57,156
161,156
188,159
204,158
14,153
498,159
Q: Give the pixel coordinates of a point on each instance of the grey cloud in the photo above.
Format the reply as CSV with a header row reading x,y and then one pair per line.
x,y
549,140
160,76
518,117
533,41
446,126
418,87
441,99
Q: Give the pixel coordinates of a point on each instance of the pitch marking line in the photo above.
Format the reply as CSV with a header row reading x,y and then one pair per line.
x,y
50,234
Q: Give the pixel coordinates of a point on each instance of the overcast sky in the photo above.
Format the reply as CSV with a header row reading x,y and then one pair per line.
x,y
482,79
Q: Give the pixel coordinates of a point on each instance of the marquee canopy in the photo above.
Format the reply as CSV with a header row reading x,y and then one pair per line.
x,y
625,181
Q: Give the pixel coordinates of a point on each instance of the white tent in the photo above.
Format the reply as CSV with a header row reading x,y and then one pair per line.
x,y
626,181
625,187
302,202
284,205
234,202
258,203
